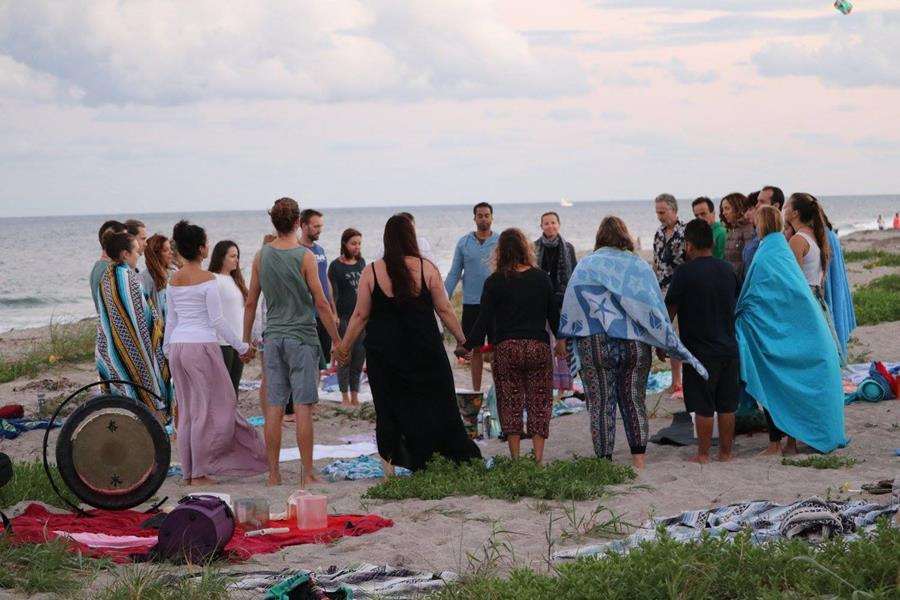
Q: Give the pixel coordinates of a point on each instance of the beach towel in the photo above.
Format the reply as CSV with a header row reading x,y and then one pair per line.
x,y
36,525
10,429
811,519
788,362
361,467
129,339
616,292
837,294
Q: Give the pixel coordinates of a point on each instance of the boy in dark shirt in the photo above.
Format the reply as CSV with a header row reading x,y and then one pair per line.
x,y
704,294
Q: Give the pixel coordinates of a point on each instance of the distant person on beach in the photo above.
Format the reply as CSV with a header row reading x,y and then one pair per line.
x,y
731,210
704,209
344,273
471,262
288,274
129,332
812,250
614,310
139,231
669,251
100,265
410,376
896,220
796,378
424,247
703,295
556,257
213,437
225,264
155,278
880,223
521,301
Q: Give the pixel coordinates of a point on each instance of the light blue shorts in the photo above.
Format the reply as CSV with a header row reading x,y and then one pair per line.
x,y
292,372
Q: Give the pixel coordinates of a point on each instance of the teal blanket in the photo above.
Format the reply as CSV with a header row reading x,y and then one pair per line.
x,y
788,362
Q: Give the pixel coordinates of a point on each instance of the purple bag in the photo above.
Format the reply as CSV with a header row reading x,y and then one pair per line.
x,y
196,531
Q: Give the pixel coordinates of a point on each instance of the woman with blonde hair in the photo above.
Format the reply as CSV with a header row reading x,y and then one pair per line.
x,y
615,311
518,298
796,378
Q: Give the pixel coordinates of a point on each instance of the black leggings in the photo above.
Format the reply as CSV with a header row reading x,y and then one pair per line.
x,y
775,434
234,366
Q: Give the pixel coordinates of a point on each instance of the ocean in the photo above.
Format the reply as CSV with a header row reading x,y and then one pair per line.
x,y
45,261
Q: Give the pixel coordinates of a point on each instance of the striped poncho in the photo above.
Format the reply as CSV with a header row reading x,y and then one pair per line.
x,y
129,339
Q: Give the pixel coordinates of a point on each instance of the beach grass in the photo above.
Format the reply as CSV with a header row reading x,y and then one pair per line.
x,y
45,568
152,583
878,302
873,258
821,462
65,343
507,479
30,482
710,568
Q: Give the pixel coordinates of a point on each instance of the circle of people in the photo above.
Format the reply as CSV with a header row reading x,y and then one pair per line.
x,y
749,288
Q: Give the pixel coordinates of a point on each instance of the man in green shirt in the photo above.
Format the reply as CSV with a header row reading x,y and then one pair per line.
x,y
706,210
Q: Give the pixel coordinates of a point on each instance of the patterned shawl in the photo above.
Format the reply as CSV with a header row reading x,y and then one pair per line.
x,y
616,293
129,339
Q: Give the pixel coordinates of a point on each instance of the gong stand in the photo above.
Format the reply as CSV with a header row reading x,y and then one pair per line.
x,y
136,422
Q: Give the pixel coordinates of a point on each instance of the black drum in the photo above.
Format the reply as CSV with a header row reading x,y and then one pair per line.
x,y
113,453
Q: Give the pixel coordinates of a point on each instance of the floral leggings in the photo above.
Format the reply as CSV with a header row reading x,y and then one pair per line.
x,y
523,374
614,371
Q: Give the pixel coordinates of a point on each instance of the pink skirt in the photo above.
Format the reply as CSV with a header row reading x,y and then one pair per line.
x,y
213,437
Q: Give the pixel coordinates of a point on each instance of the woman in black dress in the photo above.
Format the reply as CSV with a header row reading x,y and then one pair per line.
x,y
409,373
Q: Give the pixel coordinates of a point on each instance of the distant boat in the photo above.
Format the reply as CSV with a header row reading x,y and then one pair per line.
x,y
565,203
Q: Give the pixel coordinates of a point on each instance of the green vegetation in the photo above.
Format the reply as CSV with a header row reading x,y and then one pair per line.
x,y
710,568
508,479
49,567
152,583
878,301
30,482
67,343
363,412
821,462
873,258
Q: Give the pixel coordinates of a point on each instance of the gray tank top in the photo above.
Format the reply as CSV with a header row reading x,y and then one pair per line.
x,y
289,305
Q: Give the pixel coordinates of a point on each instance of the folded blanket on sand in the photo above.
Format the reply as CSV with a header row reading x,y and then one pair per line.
x,y
362,467
10,429
36,525
365,581
810,519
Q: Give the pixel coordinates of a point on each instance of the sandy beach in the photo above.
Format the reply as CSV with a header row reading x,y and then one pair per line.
x,y
437,535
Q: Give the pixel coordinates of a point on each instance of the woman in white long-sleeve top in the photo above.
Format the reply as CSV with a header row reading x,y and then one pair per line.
x,y
213,438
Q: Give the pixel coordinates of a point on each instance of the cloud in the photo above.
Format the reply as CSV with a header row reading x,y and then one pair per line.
x,y
569,114
683,74
866,57
169,52
19,82
741,6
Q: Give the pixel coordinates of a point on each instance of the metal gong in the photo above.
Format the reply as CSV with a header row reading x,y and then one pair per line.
x,y
113,453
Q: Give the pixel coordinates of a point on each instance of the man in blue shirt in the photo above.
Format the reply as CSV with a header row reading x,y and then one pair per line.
x,y
472,262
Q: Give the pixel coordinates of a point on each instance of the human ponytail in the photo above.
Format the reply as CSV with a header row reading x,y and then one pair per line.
x,y
810,212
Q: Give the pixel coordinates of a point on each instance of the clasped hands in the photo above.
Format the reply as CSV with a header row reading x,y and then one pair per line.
x,y
249,355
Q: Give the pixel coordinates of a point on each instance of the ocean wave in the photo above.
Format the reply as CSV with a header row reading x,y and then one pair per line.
x,y
24,302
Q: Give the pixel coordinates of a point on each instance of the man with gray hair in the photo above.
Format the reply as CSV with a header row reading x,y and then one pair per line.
x,y
669,251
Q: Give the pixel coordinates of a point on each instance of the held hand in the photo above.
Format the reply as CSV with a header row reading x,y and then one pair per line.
x,y
249,355
461,351
560,349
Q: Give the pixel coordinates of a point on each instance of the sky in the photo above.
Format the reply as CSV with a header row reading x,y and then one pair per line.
x,y
202,105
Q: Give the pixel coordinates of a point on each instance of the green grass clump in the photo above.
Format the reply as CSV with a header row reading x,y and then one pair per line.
x,y
67,343
30,482
878,301
151,583
508,479
873,258
711,568
48,567
821,462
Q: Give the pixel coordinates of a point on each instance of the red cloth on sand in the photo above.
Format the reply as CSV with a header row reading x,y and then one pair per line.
x,y
12,411
36,524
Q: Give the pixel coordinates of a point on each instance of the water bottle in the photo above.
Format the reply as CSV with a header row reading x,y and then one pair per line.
x,y
479,423
486,425
42,403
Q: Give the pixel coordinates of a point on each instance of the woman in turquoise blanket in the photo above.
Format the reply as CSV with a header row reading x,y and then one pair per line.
x,y
788,362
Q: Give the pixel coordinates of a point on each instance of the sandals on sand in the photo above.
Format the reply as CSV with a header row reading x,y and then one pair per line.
x,y
885,486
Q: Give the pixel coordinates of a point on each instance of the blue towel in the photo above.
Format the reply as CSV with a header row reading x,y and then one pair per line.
x,y
615,292
10,429
788,362
837,294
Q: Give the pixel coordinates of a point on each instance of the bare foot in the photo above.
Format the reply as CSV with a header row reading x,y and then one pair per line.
x,y
725,457
346,403
637,461
354,403
773,449
789,450
274,480
309,479
700,459
199,481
